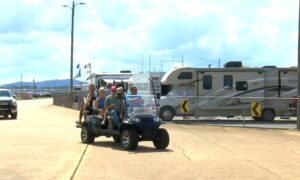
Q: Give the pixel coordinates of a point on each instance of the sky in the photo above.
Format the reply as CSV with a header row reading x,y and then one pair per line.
x,y
35,35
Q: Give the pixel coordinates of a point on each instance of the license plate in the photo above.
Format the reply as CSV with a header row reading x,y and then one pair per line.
x,y
3,109
3,103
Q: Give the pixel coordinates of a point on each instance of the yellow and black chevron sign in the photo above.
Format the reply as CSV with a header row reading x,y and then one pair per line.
x,y
184,106
255,109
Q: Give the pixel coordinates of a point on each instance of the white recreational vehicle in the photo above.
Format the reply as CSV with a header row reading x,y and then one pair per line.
x,y
143,82
229,91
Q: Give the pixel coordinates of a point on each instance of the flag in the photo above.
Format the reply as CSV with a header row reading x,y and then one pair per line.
x,y
87,66
78,75
79,71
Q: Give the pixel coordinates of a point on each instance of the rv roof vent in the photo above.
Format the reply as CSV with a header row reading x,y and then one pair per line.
x,y
125,71
269,66
233,64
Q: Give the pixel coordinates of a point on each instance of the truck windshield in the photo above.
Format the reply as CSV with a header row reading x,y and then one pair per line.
x,y
4,94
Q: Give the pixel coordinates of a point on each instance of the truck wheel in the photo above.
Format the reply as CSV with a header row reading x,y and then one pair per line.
x,y
268,115
129,139
86,136
161,140
166,113
117,138
14,115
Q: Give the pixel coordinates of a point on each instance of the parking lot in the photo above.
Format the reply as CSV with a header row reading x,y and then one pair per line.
x,y
43,143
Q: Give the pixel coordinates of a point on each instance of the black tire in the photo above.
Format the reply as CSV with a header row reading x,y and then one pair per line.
x,y
129,139
117,138
86,136
166,113
268,115
14,115
162,139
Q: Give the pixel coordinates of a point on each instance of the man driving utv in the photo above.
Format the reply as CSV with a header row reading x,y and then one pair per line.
x,y
114,105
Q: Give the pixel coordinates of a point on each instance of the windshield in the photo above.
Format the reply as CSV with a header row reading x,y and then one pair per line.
x,y
140,104
4,94
182,90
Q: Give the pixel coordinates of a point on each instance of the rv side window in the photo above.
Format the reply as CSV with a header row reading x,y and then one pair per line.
x,y
241,86
185,75
228,82
207,82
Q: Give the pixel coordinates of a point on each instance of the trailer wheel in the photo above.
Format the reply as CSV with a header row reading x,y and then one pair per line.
x,y
268,115
129,139
161,140
87,137
166,113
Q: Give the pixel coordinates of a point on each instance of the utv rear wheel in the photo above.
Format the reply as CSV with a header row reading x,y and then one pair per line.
x,y
129,139
166,113
86,136
161,140
14,115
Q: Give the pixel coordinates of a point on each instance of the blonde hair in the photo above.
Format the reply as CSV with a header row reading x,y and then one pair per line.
x,y
101,89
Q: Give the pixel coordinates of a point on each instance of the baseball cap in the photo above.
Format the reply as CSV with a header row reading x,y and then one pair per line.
x,y
113,89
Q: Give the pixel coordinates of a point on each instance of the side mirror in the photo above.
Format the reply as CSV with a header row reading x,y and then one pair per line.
x,y
14,96
157,95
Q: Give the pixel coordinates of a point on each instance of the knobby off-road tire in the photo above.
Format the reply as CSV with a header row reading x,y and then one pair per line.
x,y
162,139
129,139
86,136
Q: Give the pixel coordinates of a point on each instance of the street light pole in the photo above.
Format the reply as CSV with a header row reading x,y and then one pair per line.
x,y
72,41
298,101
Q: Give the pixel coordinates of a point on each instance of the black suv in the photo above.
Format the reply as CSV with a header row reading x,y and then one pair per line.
x,y
8,104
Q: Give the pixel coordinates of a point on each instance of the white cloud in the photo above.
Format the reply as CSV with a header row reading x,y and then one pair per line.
x,y
117,34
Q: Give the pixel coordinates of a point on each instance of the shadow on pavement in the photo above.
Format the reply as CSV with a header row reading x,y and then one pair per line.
x,y
117,146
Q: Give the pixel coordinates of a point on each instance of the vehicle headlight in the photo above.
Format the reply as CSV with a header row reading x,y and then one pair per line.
x,y
157,119
14,102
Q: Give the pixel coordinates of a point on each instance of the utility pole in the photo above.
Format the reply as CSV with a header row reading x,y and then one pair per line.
x,y
298,102
72,40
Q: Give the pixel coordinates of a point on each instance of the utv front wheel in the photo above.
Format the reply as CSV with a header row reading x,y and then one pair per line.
x,y
129,139
86,136
161,140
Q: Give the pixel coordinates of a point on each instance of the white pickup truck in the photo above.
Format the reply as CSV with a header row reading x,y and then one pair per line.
x,y
8,104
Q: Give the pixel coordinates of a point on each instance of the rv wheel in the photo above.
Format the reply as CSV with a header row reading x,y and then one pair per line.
x,y
166,113
268,115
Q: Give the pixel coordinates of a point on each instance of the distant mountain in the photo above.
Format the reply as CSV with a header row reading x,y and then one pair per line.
x,y
56,83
